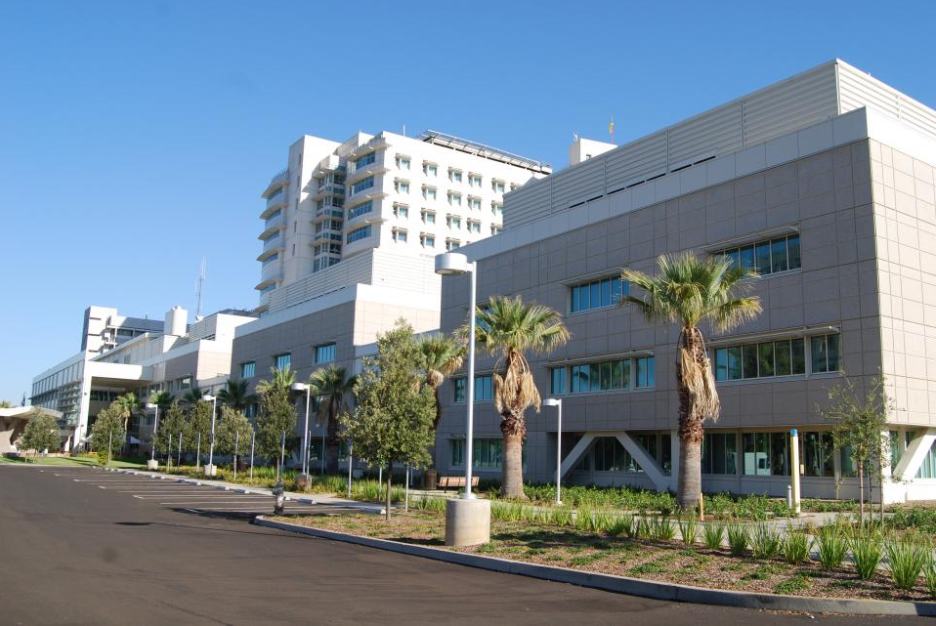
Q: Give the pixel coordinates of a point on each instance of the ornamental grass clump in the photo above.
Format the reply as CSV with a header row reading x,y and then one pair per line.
x,y
929,575
713,535
796,547
620,524
738,539
906,562
560,516
866,553
688,529
831,546
765,543
662,529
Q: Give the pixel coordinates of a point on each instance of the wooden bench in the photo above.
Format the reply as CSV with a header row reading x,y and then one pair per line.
x,y
455,482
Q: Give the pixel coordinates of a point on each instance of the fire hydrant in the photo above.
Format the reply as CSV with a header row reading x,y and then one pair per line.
x,y
280,492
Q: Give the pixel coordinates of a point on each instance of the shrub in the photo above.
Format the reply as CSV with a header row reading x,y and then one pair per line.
x,y
906,563
689,529
920,519
643,528
831,546
765,543
560,516
866,552
713,535
428,503
620,524
796,547
662,529
738,538
929,575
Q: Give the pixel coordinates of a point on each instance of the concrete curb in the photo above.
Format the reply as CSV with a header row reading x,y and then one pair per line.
x,y
621,584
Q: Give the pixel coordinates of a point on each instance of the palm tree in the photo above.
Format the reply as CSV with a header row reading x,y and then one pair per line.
x,y
127,404
510,328
330,385
162,399
441,356
192,397
283,379
234,394
690,291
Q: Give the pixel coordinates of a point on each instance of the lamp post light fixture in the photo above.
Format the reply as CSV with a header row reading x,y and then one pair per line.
x,y
210,468
556,402
152,464
305,431
467,519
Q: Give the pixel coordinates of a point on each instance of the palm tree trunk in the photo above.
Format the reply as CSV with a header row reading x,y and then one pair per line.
x,y
331,444
689,484
513,430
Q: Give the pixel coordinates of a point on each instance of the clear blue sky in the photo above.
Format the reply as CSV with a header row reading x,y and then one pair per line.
x,y
136,137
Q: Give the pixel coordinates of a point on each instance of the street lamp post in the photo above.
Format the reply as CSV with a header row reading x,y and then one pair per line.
x,y
455,264
153,464
468,519
210,468
305,431
556,402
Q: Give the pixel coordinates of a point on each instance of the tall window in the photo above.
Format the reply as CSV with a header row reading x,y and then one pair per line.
x,y
399,235
557,380
428,217
487,453
497,185
720,453
645,377
400,210
452,244
455,176
474,180
326,352
597,294
603,376
248,369
474,203
454,199
453,222
427,241
360,209
767,257
282,361
610,456
825,353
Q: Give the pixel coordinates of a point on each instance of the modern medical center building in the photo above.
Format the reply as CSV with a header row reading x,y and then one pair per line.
x,y
823,183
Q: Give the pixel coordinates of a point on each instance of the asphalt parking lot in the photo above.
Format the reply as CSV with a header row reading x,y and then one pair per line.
x,y
85,546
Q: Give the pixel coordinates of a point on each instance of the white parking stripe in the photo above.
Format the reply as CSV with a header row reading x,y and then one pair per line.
x,y
189,502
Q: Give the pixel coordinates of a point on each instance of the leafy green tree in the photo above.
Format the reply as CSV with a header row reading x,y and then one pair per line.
x,y
331,385
108,431
277,414
690,291
42,433
859,423
199,423
5,404
392,421
509,328
234,394
172,425
232,426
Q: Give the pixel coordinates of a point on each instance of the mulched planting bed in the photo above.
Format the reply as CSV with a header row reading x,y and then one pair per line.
x,y
637,558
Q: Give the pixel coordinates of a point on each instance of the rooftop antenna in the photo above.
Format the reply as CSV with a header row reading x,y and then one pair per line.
x,y
611,128
202,275
404,130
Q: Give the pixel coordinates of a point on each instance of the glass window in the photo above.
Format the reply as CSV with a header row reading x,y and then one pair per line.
x,y
798,347
429,217
282,361
756,454
402,163
430,169
455,176
360,233
749,360
484,388
557,376
782,358
400,210
360,209
597,294
458,452
326,353
365,160
610,456
399,236
779,463
817,454
401,186
362,185
765,359
645,373
428,241
460,385
580,375
762,257
429,193
720,454
248,369
721,364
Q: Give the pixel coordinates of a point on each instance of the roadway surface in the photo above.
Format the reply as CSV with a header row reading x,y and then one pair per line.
x,y
83,546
